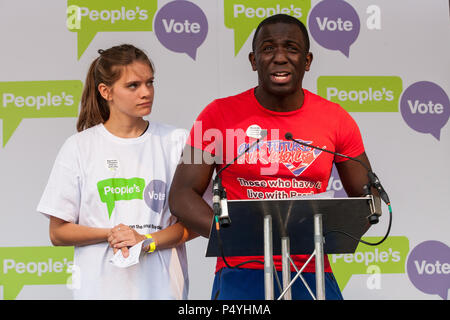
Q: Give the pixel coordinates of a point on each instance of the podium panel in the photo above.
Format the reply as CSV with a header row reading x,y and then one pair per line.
x,y
293,218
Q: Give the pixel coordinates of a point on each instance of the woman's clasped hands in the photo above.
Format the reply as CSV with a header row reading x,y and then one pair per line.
x,y
121,237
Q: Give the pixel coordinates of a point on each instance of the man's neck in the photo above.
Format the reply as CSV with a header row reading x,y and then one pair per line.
x,y
285,103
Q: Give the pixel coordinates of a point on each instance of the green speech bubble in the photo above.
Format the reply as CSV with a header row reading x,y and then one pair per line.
x,y
37,99
243,16
114,189
388,257
362,93
21,266
87,17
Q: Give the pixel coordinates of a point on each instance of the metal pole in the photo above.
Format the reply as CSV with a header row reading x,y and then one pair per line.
x,y
268,258
299,275
286,267
318,244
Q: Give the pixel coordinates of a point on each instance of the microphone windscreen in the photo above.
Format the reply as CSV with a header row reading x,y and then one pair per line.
x,y
288,136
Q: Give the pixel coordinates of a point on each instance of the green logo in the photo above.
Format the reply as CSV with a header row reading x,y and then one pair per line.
x,y
388,257
21,266
37,99
87,17
115,189
362,93
243,16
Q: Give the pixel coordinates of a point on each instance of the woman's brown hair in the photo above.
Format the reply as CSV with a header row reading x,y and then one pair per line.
x,y
107,69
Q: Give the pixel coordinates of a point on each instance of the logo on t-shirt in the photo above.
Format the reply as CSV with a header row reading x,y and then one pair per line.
x,y
155,195
295,157
115,189
301,160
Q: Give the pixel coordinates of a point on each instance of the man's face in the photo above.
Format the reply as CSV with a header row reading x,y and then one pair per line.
x,y
280,59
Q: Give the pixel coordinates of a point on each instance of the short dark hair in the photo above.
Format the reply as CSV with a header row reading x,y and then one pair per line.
x,y
282,18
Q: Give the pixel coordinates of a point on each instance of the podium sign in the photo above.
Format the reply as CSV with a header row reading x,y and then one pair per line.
x,y
292,218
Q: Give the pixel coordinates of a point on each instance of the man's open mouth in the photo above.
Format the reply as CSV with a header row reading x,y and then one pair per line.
x,y
280,76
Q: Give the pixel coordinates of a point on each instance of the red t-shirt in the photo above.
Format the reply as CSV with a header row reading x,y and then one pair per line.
x,y
276,168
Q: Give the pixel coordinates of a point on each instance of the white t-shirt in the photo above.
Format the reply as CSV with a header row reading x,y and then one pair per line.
x,y
100,180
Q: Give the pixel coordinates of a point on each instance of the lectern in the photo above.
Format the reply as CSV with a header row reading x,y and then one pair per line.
x,y
298,226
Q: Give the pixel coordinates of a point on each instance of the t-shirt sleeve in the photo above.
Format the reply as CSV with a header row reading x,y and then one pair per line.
x,y
177,141
348,140
183,136
205,134
62,195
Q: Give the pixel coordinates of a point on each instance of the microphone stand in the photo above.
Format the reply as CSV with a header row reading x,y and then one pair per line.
x,y
220,206
219,192
373,182
373,179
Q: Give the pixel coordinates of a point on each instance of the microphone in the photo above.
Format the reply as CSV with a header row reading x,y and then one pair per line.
x,y
216,198
224,218
220,205
373,179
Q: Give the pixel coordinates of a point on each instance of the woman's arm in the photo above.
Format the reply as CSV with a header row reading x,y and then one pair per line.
x,y
172,236
63,233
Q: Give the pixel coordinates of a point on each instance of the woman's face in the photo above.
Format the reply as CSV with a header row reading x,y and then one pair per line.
x,y
131,95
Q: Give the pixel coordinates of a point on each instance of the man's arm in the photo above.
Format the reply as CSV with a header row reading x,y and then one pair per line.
x,y
190,181
354,176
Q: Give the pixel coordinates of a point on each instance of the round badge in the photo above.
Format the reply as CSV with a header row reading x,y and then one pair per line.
x,y
254,131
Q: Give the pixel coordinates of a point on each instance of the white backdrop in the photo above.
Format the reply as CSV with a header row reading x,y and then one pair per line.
x,y
408,39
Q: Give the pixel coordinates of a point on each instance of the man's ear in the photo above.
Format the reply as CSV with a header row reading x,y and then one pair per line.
x,y
105,91
309,59
251,58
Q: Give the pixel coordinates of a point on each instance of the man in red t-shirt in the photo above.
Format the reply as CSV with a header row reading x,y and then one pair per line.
x,y
275,168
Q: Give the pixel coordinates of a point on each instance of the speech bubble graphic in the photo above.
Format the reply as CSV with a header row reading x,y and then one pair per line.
x,y
335,184
335,25
181,26
388,257
88,17
115,189
425,107
37,99
362,93
21,266
155,195
243,16
428,268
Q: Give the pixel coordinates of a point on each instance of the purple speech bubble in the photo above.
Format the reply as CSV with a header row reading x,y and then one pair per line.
x,y
334,24
335,184
428,268
181,26
425,107
155,195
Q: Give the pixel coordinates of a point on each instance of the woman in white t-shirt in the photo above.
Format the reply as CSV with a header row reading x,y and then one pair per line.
x,y
109,186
